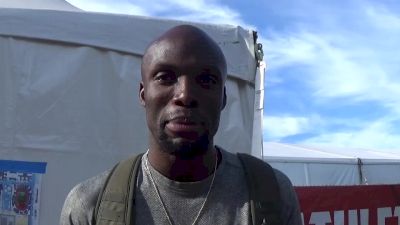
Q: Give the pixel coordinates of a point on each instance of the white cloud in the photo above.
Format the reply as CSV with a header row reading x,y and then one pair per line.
x,y
104,6
275,127
349,66
382,17
206,11
333,71
284,51
378,134
201,11
355,66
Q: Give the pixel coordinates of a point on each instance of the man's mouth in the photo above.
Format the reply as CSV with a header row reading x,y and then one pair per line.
x,y
184,127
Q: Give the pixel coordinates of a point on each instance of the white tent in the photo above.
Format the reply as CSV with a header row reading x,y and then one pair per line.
x,y
38,4
69,87
320,166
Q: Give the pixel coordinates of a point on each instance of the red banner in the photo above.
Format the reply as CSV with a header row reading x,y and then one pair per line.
x,y
350,205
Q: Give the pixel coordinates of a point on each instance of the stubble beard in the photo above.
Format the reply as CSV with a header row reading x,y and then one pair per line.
x,y
183,148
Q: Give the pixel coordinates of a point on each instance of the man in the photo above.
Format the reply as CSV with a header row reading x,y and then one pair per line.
x,y
183,178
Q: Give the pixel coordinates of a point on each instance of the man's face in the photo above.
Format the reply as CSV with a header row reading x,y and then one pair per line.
x,y
183,93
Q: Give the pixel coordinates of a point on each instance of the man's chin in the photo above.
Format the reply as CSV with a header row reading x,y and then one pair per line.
x,y
185,136
186,148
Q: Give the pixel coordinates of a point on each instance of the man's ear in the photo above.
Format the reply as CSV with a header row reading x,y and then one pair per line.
x,y
141,95
224,99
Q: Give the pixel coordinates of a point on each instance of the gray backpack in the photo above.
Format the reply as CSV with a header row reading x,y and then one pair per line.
x,y
116,202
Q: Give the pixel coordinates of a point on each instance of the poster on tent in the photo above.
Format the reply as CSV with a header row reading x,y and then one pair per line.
x,y
350,205
20,184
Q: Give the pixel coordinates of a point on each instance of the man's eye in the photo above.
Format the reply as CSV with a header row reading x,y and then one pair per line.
x,y
166,77
207,79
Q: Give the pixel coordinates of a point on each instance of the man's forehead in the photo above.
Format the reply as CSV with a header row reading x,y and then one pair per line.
x,y
191,54
189,48
186,40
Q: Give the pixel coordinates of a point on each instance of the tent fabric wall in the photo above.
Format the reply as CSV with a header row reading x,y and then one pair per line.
x,y
69,91
129,34
318,174
381,173
321,166
38,4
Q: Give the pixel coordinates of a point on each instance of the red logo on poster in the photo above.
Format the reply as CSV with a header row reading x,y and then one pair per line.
x,y
22,198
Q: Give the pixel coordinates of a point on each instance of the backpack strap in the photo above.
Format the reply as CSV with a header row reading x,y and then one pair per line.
x,y
265,198
116,201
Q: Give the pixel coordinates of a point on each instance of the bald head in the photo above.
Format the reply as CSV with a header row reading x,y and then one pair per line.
x,y
186,32
190,41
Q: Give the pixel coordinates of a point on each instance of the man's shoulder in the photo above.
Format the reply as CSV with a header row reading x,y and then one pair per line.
x,y
81,200
90,188
290,206
282,179
230,159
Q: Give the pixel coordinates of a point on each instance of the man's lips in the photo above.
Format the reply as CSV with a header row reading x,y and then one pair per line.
x,y
184,127
182,124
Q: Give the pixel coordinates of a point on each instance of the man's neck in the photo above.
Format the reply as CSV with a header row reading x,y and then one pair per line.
x,y
184,169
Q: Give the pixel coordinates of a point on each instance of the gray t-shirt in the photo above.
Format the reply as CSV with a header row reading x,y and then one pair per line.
x,y
226,204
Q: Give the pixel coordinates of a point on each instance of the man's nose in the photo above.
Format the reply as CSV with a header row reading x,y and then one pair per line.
x,y
185,93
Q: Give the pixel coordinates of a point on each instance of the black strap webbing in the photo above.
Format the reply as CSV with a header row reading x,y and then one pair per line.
x,y
116,202
265,198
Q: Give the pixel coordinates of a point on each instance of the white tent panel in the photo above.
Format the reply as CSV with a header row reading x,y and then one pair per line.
x,y
130,34
377,174
79,107
339,174
38,4
316,166
318,174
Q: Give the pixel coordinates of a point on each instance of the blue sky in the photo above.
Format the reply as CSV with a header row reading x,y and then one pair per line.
x,y
333,74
